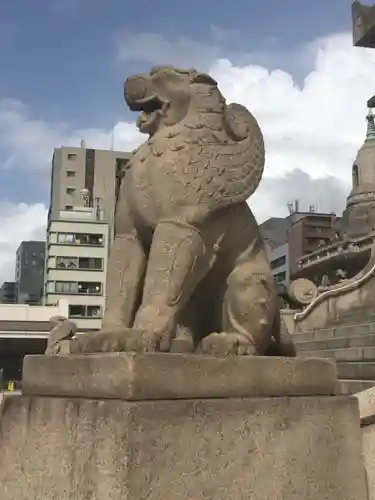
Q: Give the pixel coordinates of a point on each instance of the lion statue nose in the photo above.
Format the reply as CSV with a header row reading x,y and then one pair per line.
x,y
135,88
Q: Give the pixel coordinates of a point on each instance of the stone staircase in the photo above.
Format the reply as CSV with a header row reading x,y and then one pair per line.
x,y
351,343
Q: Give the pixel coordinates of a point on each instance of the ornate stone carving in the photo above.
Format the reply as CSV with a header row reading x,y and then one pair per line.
x,y
61,333
303,291
188,270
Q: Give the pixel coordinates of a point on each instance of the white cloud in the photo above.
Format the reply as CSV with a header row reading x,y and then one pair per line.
x,y
312,130
29,143
19,222
316,127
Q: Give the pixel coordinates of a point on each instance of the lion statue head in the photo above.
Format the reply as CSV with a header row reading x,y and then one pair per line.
x,y
166,95
183,112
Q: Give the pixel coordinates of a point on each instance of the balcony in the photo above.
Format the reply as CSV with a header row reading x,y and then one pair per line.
x,y
80,239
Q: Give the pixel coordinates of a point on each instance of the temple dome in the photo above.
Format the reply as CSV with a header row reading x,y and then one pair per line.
x,y
359,215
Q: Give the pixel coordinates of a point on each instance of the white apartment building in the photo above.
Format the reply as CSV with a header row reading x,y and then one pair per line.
x,y
77,248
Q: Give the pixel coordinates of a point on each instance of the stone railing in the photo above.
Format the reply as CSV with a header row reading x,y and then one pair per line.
x,y
340,247
341,288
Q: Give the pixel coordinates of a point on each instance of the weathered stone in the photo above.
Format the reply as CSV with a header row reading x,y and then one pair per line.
x,y
335,343
366,402
368,444
357,370
348,386
345,354
209,449
176,376
188,268
363,18
62,331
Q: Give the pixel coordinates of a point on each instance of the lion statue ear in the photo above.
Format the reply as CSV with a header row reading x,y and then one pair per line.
x,y
202,78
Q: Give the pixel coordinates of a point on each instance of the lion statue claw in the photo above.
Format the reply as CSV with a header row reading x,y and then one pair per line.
x,y
188,258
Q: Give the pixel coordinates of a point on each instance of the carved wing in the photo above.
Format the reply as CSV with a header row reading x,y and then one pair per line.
x,y
238,165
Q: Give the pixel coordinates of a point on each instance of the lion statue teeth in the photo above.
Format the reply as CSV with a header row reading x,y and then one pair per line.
x,y
188,270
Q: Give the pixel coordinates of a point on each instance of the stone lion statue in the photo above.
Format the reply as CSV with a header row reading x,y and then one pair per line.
x,y
188,270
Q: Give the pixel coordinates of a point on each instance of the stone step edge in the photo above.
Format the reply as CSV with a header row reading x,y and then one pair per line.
x,y
371,332
303,342
339,325
324,353
360,380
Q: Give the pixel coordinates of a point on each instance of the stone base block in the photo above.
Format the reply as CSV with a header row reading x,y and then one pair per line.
x,y
290,448
176,376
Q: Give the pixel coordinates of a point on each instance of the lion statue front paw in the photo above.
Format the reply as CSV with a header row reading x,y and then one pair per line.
x,y
226,344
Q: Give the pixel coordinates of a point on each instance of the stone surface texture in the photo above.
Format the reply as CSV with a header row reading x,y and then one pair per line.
x,y
62,330
363,17
366,400
176,376
210,449
188,268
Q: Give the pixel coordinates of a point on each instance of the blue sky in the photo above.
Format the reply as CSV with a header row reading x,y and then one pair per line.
x,y
291,62
60,56
65,60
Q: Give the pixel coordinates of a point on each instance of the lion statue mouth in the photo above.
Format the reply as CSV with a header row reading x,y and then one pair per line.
x,y
151,108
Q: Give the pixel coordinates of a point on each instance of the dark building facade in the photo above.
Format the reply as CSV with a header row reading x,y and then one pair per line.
x,y
30,261
8,293
308,233
296,235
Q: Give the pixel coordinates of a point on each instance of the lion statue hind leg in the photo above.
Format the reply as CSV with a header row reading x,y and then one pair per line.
x,y
250,309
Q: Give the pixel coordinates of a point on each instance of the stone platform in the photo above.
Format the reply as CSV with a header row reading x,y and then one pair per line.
x,y
181,427
175,376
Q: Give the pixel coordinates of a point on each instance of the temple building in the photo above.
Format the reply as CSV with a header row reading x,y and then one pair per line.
x,y
359,216
349,250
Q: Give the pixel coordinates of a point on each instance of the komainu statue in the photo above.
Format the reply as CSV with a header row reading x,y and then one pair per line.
x,y
188,270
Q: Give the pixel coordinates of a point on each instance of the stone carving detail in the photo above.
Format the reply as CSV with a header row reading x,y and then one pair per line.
x,y
188,270
303,291
61,333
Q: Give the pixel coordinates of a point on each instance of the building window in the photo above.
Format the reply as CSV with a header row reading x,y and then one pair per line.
x,y
93,311
66,238
280,277
281,261
70,191
80,287
69,287
69,207
72,156
89,288
80,239
70,173
89,239
88,263
84,311
75,310
355,176
66,262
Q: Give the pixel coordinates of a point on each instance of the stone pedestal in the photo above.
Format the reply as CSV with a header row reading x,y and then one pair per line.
x,y
168,427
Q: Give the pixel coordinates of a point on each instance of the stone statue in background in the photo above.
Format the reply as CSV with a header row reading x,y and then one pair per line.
x,y
61,333
188,270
